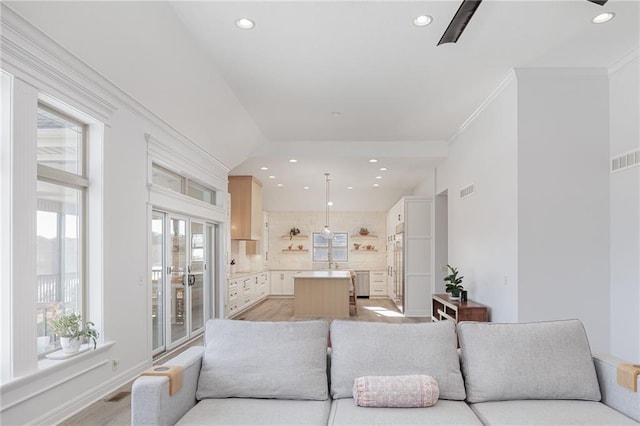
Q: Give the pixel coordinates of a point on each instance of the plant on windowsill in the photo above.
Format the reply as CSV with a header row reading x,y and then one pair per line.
x,y
71,329
454,283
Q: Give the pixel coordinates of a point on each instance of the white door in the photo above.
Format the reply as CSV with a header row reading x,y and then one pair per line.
x,y
181,279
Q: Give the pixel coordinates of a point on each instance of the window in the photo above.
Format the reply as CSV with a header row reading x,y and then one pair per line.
x,y
338,247
175,182
60,220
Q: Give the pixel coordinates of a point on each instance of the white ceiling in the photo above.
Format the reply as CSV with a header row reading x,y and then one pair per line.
x,y
400,96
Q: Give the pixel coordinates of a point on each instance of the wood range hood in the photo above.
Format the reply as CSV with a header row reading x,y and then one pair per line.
x,y
246,208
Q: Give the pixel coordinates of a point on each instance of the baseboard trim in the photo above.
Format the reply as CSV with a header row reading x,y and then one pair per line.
x,y
82,402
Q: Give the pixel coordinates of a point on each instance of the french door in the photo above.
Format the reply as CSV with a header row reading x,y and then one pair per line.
x,y
181,294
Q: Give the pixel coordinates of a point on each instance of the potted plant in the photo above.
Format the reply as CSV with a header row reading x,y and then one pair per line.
x,y
71,329
454,283
293,232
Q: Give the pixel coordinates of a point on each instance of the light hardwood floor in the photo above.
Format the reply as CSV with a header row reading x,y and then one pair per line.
x,y
116,408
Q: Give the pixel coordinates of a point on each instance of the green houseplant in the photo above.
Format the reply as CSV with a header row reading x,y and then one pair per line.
x,y
71,329
293,232
454,282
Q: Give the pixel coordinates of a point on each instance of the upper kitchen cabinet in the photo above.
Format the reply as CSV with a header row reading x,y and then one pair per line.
x,y
246,208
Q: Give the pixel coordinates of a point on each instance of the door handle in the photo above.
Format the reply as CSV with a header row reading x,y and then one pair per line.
x,y
192,280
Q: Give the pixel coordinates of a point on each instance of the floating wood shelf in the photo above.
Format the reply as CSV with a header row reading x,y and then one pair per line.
x,y
295,250
295,237
364,236
364,251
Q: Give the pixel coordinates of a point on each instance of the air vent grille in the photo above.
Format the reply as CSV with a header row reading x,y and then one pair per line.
x,y
467,190
625,161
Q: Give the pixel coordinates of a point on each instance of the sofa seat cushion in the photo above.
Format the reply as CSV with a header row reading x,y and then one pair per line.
x,y
245,359
544,360
549,412
345,412
379,349
252,411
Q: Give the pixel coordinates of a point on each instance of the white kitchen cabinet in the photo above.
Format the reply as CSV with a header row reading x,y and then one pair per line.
x,y
411,268
288,282
276,283
262,289
233,298
377,284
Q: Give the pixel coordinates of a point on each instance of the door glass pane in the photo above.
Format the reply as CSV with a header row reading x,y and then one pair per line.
x,y
197,275
178,238
157,280
59,142
58,257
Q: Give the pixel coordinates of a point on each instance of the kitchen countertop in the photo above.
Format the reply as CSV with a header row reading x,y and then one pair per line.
x,y
323,274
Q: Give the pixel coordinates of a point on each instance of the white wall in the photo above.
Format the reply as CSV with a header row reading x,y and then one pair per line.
x,y
563,201
49,395
624,186
173,76
483,227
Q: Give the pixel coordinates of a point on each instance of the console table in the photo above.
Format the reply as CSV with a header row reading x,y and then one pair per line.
x,y
457,310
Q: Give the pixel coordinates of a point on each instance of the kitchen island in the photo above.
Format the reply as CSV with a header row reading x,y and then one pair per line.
x,y
321,294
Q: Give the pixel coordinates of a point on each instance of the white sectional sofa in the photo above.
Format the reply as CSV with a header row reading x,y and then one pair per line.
x,y
278,373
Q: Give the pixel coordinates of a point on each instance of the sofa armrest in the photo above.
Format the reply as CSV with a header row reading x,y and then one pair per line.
x,y
615,396
150,400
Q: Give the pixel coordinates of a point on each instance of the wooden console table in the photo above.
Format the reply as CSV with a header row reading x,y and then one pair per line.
x,y
456,310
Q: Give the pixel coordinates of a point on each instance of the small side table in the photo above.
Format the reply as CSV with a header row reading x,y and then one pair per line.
x,y
456,310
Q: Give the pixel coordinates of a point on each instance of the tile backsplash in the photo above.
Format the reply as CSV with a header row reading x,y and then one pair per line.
x,y
280,257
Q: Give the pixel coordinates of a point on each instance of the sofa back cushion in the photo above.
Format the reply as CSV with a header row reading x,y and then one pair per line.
x,y
285,360
545,360
379,349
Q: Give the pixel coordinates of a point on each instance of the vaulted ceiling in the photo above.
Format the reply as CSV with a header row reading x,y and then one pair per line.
x,y
333,84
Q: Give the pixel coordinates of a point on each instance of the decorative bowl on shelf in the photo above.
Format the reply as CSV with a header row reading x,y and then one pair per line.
x,y
364,231
300,246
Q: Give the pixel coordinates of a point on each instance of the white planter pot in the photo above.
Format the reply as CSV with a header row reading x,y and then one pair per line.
x,y
70,345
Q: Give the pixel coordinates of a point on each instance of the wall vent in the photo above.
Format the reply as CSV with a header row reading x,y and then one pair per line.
x,y
467,190
625,161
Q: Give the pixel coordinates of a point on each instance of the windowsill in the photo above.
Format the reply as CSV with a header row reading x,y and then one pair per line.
x,y
47,367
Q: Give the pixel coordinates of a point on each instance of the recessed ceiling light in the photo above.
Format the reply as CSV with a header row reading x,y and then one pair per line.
x,y
422,20
603,17
349,187
375,185
336,114
293,160
330,203
306,187
373,160
383,169
272,177
245,23
279,185
264,168
378,177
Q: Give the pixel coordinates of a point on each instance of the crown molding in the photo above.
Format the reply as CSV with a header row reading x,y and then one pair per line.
x,y
506,81
632,56
34,57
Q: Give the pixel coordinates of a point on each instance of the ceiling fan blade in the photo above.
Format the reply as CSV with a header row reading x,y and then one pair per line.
x,y
600,2
459,21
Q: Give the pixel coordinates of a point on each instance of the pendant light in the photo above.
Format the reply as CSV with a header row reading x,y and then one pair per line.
x,y
327,230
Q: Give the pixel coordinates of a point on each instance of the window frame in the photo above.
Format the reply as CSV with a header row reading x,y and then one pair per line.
x,y
314,247
80,182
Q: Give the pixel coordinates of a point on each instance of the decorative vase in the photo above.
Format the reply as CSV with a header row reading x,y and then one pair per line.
x,y
70,345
